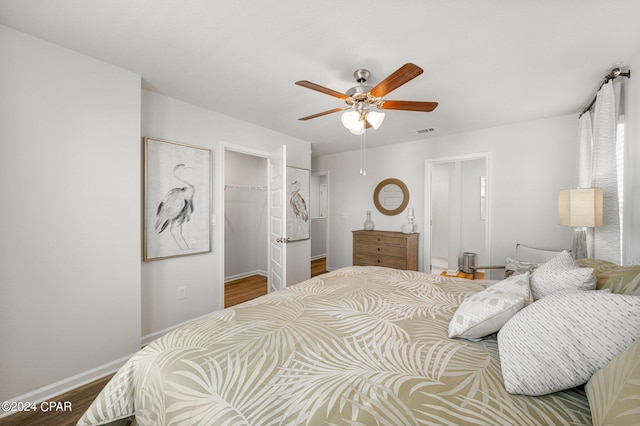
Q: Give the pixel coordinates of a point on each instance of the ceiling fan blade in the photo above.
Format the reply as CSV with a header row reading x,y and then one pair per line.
x,y
408,105
320,114
402,75
321,89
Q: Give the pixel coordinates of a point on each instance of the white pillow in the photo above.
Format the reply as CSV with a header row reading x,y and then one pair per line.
x,y
560,341
517,267
561,273
485,312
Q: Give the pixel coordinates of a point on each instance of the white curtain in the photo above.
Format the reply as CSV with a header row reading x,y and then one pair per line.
x,y
585,164
597,168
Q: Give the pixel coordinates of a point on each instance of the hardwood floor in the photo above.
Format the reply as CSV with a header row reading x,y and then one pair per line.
x,y
235,292
243,289
73,405
318,266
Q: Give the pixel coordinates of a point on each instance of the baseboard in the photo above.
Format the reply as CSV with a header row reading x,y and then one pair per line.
x,y
53,390
319,256
246,274
146,339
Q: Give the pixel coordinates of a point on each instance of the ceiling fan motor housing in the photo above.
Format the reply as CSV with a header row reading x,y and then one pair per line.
x,y
361,75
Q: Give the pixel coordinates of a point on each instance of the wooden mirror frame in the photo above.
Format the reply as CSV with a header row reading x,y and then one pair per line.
x,y
405,196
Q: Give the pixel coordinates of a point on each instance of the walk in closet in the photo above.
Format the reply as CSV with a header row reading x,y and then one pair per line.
x,y
245,215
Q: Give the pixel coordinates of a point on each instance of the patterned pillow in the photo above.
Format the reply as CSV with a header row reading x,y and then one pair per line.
x,y
614,391
620,279
560,341
517,267
485,312
561,273
530,254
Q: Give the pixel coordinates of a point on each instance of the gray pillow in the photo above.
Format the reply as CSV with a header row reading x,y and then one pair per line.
x,y
560,341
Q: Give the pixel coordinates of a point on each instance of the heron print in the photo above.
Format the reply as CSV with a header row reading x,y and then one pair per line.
x,y
177,197
298,209
175,208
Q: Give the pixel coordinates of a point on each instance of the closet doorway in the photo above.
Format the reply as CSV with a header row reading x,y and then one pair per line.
x,y
319,232
246,226
251,203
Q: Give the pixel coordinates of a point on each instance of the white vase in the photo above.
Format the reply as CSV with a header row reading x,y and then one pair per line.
x,y
368,224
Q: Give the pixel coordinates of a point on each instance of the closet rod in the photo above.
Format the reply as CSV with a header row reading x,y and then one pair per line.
x,y
260,188
614,73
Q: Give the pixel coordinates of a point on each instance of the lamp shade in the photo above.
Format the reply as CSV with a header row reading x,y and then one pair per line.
x,y
351,120
375,118
580,207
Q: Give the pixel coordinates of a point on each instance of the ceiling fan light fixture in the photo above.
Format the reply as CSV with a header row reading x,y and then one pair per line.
x,y
375,118
351,120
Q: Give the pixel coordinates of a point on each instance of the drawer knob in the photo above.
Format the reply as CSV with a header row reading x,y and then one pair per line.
x,y
378,248
378,260
378,238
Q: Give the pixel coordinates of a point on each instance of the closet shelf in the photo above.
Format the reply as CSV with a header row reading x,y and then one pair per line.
x,y
250,187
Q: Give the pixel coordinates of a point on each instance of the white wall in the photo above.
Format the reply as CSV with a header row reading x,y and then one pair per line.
x,y
70,217
167,118
530,163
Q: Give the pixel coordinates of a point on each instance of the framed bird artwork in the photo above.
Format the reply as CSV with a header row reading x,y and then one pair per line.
x,y
177,199
298,204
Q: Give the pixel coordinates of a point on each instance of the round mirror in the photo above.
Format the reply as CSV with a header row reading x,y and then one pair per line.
x,y
391,196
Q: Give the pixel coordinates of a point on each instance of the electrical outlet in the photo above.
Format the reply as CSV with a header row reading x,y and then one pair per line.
x,y
182,293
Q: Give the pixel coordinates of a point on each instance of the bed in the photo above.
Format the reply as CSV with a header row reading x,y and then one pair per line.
x,y
356,346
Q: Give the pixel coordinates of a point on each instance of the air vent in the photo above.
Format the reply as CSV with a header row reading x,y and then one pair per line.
x,y
430,129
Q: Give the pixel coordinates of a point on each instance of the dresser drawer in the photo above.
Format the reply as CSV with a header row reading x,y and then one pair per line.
x,y
378,249
373,260
380,239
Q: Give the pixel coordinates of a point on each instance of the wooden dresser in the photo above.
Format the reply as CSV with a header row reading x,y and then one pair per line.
x,y
386,248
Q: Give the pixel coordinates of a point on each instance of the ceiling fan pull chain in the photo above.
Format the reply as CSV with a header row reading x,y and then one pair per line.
x,y
363,151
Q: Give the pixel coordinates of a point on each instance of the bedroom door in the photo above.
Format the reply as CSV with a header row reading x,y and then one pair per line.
x,y
277,219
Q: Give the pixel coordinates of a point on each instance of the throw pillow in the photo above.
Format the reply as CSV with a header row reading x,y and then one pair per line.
x,y
620,279
517,267
614,391
561,273
560,341
486,312
530,254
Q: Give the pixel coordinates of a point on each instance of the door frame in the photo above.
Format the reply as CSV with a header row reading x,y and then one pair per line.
x,y
220,209
486,156
327,173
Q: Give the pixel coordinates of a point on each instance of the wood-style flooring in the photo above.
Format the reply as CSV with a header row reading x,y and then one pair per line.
x,y
79,400
248,288
318,266
243,289
235,292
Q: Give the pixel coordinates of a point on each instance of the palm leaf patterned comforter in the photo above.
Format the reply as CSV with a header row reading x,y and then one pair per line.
x,y
357,346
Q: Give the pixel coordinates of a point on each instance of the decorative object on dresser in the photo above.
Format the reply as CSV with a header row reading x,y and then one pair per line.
x,y
385,248
408,228
368,223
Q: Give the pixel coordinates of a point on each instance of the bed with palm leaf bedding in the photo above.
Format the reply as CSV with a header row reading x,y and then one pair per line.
x,y
359,345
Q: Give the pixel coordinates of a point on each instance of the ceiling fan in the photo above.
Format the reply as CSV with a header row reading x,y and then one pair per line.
x,y
360,99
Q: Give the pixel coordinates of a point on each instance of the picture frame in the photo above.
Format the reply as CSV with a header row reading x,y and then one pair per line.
x,y
177,182
298,195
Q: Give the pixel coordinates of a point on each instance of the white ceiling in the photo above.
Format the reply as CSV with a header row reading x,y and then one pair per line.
x,y
487,62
